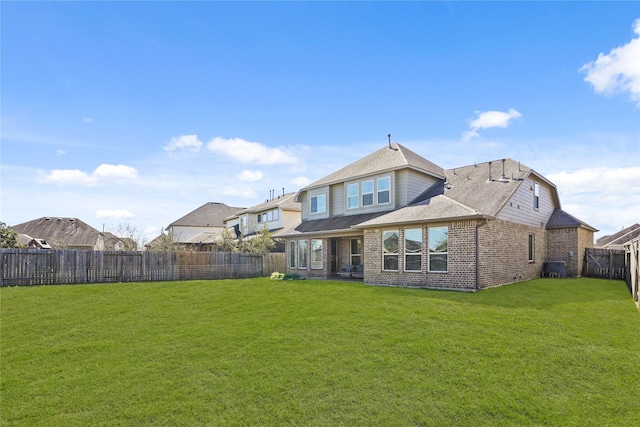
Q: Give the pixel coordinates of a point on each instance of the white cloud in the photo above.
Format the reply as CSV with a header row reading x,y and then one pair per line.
x,y
189,143
606,198
60,152
489,119
87,119
611,180
250,152
249,175
115,171
78,177
118,213
492,119
301,181
619,71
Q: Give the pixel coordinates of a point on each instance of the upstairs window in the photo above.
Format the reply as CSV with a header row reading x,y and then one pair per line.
x,y
352,196
259,218
319,204
367,193
390,250
384,186
536,195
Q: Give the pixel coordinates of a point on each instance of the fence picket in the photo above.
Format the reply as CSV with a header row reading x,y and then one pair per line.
x,y
44,267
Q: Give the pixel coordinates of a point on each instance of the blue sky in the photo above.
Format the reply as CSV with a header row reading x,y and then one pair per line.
x,y
140,112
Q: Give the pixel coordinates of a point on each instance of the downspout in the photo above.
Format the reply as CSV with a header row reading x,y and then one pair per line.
x,y
478,225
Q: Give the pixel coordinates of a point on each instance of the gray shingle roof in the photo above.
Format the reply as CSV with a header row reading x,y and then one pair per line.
x,y
385,159
619,238
60,232
437,208
210,214
561,219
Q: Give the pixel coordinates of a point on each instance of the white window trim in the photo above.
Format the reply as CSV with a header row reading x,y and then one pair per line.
x,y
397,253
378,190
306,245
293,254
429,252
372,192
316,196
311,254
531,248
536,195
413,253
357,195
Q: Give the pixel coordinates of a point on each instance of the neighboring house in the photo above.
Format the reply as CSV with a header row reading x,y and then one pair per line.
x,y
411,223
201,225
276,214
26,241
620,239
68,233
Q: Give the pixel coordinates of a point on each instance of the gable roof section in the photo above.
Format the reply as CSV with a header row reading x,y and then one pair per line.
x,y
385,159
561,219
211,214
619,238
60,231
436,208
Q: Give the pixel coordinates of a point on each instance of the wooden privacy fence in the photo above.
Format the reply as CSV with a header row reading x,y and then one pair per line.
x,y
45,267
604,263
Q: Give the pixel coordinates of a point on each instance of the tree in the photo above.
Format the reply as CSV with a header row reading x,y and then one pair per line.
x,y
262,243
162,243
8,237
132,238
226,241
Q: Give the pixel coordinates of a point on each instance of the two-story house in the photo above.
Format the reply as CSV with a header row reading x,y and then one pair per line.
x,y
201,226
411,223
276,213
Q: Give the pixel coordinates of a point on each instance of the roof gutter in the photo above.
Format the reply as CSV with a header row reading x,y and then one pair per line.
x,y
423,221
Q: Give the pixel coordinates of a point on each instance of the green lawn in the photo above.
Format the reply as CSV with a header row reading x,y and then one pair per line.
x,y
263,352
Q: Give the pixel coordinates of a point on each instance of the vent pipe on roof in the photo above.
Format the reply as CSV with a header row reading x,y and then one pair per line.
x,y
389,136
490,179
282,191
504,177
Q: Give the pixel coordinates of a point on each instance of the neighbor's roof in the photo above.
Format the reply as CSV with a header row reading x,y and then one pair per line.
x,y
561,219
211,214
285,202
60,231
388,158
620,238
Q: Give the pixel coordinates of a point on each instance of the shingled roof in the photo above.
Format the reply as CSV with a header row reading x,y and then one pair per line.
x,y
617,240
61,232
561,219
388,158
211,214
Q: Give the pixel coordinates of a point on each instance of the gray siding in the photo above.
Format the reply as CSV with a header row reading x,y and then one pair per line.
x,y
307,203
519,208
338,200
417,183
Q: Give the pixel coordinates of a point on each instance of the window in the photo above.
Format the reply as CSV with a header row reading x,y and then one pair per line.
x,y
319,203
532,248
390,250
276,214
438,253
243,221
352,196
302,254
383,190
536,195
270,216
316,254
367,193
259,218
292,254
356,251
413,249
